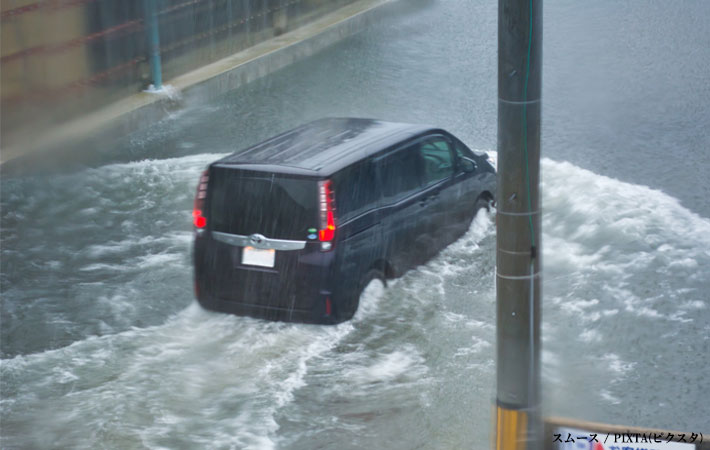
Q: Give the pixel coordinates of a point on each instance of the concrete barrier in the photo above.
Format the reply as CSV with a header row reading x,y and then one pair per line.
x,y
140,110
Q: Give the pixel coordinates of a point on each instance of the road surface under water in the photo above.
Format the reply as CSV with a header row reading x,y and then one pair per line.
x,y
103,345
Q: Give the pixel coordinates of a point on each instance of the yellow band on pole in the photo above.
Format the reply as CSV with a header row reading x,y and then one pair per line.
x,y
511,429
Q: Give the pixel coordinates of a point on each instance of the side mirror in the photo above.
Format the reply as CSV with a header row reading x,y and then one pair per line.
x,y
467,164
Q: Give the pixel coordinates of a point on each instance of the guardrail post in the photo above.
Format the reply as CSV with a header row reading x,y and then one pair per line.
x,y
153,33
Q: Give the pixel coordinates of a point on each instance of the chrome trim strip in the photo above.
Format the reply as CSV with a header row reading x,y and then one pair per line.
x,y
261,242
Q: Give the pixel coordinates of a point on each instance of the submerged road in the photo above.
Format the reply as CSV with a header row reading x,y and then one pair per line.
x,y
103,345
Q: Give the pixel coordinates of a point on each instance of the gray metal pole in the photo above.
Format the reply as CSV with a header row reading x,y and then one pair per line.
x,y
518,421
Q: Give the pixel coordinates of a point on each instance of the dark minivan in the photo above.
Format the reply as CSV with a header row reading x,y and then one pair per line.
x,y
295,227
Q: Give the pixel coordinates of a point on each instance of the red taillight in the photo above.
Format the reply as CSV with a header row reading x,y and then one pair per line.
x,y
198,219
328,307
327,213
328,233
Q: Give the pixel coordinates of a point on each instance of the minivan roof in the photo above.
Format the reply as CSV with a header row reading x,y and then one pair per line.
x,y
324,146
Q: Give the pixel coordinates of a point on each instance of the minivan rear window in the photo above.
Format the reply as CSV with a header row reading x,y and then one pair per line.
x,y
275,206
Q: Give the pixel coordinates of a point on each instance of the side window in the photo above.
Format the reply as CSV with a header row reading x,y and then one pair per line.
x,y
401,174
461,149
355,190
438,160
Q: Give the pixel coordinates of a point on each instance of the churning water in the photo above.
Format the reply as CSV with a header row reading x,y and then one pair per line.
x,y
103,345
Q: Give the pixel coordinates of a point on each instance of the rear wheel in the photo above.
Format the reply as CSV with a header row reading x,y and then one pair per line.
x,y
484,201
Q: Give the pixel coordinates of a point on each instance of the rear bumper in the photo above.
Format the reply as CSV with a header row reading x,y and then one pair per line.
x,y
317,315
293,293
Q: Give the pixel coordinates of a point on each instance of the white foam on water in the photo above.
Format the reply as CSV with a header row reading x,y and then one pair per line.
x,y
623,266
590,336
477,345
119,304
613,253
615,364
453,265
164,261
693,304
600,229
180,163
589,206
609,397
228,374
160,259
370,300
398,366
481,227
102,266
453,317
128,245
132,233
479,324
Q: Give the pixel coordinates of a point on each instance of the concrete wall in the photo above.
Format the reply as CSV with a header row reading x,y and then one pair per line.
x,y
62,60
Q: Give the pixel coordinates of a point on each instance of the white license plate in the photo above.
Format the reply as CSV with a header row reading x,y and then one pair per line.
x,y
258,257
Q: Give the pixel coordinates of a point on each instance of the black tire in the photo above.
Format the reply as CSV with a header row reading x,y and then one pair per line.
x,y
482,202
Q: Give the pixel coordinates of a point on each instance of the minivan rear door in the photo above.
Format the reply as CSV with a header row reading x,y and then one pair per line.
x,y
274,205
261,223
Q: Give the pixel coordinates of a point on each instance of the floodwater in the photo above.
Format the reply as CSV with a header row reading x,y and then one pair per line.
x,y
103,345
